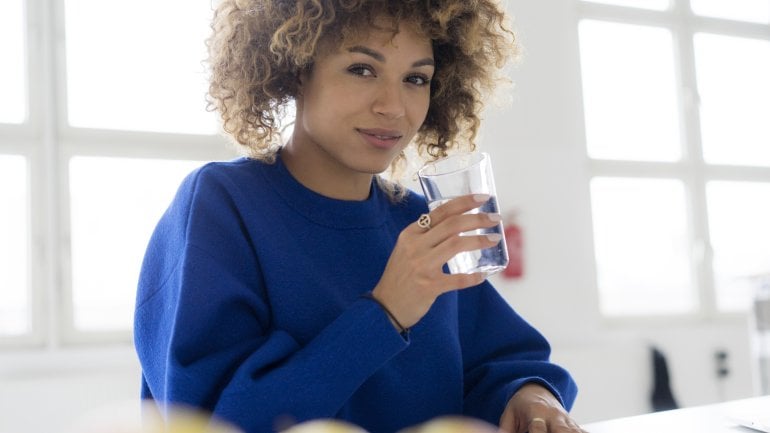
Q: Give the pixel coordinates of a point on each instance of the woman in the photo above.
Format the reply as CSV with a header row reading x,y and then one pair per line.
x,y
296,284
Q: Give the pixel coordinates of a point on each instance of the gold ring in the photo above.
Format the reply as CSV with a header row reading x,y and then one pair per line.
x,y
537,419
424,221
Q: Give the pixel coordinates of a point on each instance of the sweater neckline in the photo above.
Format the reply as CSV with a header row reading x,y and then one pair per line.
x,y
324,210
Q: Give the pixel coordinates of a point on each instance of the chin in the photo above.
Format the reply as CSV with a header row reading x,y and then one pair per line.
x,y
375,168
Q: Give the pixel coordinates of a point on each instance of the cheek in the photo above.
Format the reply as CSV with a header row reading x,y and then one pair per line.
x,y
333,103
316,121
318,109
417,110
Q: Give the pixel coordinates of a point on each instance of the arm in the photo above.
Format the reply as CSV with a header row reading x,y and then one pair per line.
x,y
502,353
204,332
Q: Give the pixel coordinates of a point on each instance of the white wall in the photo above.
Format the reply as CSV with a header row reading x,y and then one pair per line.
x,y
62,391
537,144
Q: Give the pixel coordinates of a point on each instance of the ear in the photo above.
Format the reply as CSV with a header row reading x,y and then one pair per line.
x,y
301,76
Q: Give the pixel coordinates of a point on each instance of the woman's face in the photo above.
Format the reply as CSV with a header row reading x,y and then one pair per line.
x,y
362,103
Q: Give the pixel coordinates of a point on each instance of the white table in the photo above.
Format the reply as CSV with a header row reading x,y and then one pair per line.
x,y
715,418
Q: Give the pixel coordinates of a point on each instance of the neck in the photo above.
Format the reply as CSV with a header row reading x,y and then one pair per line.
x,y
322,177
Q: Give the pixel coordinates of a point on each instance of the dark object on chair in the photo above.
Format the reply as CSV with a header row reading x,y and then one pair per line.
x,y
662,397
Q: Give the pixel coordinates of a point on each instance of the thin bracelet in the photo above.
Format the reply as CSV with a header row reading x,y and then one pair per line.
x,y
403,330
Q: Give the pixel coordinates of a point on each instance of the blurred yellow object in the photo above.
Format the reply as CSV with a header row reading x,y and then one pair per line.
x,y
325,426
453,424
183,420
133,417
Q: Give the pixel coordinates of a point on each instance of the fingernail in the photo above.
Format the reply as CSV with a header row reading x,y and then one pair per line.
x,y
495,217
481,198
494,237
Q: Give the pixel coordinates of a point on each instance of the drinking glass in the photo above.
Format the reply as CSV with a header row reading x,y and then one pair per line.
x,y
458,175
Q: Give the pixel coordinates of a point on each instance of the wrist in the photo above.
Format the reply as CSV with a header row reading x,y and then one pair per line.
x,y
403,330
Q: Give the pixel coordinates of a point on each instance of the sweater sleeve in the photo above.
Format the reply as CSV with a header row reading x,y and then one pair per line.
x,y
205,339
501,353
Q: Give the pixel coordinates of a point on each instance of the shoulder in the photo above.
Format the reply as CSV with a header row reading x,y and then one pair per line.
x,y
405,210
222,178
236,170
413,202
215,188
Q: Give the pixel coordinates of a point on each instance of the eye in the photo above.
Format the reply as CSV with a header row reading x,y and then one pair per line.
x,y
418,79
361,69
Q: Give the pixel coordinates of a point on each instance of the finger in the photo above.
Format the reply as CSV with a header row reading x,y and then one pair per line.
x,y
575,426
453,245
508,422
537,425
462,281
457,206
460,233
463,223
564,425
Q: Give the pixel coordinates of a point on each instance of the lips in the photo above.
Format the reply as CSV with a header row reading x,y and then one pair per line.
x,y
381,138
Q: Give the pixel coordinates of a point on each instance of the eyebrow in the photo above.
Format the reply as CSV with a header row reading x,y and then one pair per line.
x,y
379,57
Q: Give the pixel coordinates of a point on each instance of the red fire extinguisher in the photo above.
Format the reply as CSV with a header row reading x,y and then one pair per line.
x,y
514,242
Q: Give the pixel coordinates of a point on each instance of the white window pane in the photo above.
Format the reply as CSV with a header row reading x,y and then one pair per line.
x,y
735,99
741,10
13,83
642,4
739,220
629,92
137,65
14,251
641,243
115,204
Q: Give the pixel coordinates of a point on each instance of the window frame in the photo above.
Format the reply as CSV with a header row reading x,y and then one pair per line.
x,y
692,169
47,142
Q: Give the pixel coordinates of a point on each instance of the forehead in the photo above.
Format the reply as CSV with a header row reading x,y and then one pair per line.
x,y
383,32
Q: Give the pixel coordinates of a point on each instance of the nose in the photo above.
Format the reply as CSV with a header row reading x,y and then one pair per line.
x,y
389,101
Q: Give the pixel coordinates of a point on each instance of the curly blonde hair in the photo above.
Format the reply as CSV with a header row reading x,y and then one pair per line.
x,y
258,48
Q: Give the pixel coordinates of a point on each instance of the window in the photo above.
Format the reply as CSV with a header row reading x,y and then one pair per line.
x,y
644,4
740,10
641,241
13,104
111,222
738,218
149,80
675,97
91,155
14,246
621,87
735,99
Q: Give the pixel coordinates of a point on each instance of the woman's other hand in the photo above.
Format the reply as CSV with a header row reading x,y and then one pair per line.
x,y
533,409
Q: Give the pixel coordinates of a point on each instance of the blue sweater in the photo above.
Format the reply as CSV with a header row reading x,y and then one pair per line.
x,y
249,307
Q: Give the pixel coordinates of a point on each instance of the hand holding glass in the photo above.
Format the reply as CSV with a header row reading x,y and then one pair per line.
x,y
458,175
